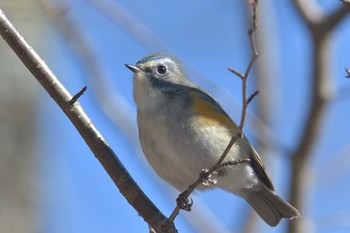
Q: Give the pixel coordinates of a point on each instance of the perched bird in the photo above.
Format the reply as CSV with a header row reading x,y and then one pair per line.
x,y
183,130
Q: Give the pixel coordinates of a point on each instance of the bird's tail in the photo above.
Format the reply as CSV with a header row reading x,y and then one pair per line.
x,y
271,207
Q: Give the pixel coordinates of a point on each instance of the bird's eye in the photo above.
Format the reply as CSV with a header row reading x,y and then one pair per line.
x,y
161,69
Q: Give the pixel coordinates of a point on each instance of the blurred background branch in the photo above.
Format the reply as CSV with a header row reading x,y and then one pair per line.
x,y
320,26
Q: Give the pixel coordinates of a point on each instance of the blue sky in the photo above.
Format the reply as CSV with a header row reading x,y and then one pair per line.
x,y
78,195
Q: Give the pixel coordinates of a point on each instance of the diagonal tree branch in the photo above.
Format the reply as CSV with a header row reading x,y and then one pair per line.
x,y
83,124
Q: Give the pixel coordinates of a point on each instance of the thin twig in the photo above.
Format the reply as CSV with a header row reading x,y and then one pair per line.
x,y
252,96
205,174
255,55
239,74
76,97
230,163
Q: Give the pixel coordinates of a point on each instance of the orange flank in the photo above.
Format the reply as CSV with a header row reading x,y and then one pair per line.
x,y
208,115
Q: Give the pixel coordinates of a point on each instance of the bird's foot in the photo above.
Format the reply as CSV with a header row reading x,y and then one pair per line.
x,y
183,202
207,180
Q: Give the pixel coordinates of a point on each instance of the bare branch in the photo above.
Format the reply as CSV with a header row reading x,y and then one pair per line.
x,y
253,58
252,96
230,163
239,74
83,124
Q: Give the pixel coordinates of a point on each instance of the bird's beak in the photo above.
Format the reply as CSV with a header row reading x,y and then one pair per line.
x,y
134,69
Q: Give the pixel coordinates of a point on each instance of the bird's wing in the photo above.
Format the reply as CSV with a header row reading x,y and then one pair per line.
x,y
260,169
210,112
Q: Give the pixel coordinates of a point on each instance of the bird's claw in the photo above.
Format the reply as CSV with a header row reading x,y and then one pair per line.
x,y
184,203
207,180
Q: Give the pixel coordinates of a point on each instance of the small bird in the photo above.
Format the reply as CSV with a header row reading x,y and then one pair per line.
x,y
183,130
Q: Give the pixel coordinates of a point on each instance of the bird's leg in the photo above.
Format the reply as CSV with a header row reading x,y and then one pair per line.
x,y
183,202
207,178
